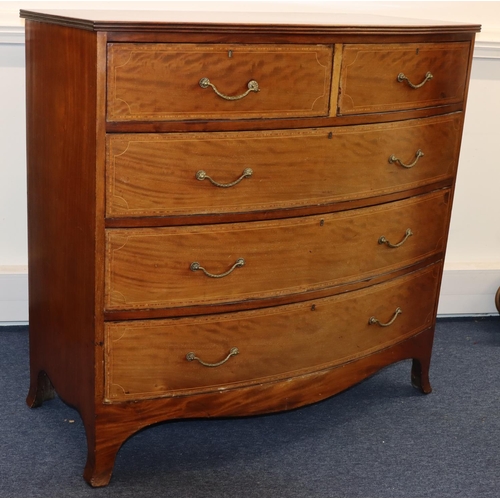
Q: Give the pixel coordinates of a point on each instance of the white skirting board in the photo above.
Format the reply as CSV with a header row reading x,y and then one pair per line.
x,y
464,292
469,291
13,295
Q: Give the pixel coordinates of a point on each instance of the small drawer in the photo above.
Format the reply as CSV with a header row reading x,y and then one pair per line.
x,y
162,82
391,77
228,263
186,174
148,359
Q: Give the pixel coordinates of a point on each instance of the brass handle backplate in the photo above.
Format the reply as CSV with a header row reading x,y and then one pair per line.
x,y
201,175
418,155
373,320
195,266
190,356
403,78
253,86
383,240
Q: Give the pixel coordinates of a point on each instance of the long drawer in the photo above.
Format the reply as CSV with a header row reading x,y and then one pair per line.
x,y
146,359
172,174
390,77
227,263
158,82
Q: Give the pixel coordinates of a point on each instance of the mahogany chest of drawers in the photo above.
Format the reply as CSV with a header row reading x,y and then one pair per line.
x,y
232,217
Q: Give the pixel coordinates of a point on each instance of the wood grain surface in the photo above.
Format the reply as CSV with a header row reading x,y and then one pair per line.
x,y
369,76
155,174
148,359
161,81
150,268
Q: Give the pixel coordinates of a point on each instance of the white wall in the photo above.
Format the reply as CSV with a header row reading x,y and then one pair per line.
x,y
472,270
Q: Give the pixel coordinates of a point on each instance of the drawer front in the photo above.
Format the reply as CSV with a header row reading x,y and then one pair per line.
x,y
160,267
147,359
157,82
159,175
371,81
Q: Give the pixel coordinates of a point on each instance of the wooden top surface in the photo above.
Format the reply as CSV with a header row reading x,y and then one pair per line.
x,y
255,22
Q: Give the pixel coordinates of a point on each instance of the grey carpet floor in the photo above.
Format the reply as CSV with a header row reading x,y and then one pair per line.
x,y
380,438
